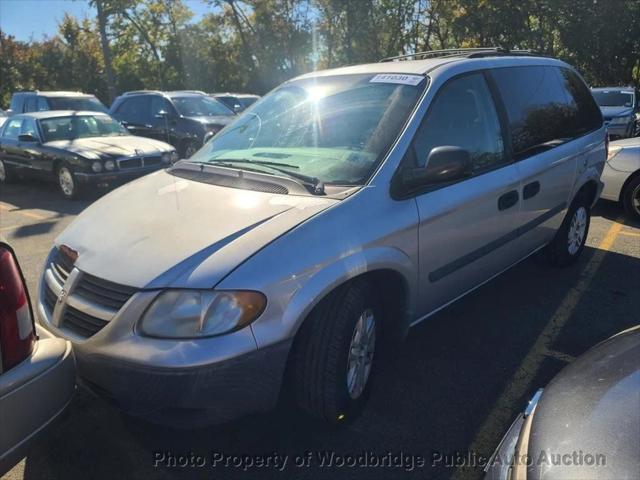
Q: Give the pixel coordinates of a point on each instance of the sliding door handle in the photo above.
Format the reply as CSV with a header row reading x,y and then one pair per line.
x,y
508,200
530,190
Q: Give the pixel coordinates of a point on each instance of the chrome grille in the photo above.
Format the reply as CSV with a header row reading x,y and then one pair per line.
x,y
90,303
139,162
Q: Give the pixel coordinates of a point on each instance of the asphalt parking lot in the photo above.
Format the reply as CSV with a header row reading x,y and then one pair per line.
x,y
449,392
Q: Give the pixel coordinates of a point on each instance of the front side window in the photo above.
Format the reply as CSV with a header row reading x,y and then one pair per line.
x,y
80,126
462,115
29,127
200,106
613,98
336,129
134,109
90,104
538,109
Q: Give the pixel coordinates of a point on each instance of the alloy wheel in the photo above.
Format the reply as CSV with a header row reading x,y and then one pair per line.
x,y
361,350
577,230
65,179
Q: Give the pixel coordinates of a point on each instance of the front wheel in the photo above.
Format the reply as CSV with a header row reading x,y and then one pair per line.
x,y
335,353
631,198
571,237
67,182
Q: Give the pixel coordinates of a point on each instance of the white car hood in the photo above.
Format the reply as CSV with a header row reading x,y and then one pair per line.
x,y
165,231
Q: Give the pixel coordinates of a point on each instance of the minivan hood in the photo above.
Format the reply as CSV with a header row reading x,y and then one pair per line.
x,y
122,146
612,112
165,231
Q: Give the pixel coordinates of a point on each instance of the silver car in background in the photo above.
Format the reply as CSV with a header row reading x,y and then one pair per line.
x,y
343,208
621,175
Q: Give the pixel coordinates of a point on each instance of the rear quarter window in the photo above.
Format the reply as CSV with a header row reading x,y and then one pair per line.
x,y
545,107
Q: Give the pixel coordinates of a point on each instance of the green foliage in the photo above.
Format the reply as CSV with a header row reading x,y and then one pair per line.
x,y
253,45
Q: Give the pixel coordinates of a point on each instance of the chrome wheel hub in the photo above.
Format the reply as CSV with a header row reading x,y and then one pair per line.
x,y
577,230
66,181
635,200
361,349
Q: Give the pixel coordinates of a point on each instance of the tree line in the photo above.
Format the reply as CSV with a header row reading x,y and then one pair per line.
x,y
253,45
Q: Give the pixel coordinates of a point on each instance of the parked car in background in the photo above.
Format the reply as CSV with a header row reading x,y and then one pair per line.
x,y
185,119
621,175
584,424
621,110
37,371
3,116
237,102
347,206
79,150
37,101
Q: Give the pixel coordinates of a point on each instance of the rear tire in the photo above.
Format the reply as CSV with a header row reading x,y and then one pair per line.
x,y
571,237
7,175
335,355
631,198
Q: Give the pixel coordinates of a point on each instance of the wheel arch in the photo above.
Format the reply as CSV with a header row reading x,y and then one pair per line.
x,y
626,183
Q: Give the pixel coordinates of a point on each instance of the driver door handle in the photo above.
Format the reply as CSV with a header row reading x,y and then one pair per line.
x,y
530,190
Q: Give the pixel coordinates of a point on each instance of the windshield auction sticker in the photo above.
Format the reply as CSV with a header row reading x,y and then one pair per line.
x,y
398,78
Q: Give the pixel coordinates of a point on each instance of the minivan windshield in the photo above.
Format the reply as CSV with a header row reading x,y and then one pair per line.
x,y
89,104
80,126
200,106
335,129
613,98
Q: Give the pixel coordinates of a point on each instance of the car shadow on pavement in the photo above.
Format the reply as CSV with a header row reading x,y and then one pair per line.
x,y
613,211
433,396
40,195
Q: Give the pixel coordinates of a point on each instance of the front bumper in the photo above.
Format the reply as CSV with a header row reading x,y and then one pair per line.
x,y
115,178
177,382
621,130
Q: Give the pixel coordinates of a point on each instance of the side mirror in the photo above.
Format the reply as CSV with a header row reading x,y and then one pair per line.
x,y
27,137
444,164
237,108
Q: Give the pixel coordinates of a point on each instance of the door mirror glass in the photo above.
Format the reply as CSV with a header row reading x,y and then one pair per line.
x,y
27,137
447,164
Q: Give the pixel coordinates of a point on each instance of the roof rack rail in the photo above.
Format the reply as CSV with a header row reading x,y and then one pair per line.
x,y
200,92
476,52
137,92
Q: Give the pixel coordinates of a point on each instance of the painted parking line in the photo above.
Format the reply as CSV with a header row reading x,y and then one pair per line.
x,y
13,209
630,234
499,418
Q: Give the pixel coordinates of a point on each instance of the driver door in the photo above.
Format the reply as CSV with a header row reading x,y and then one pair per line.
x,y
465,226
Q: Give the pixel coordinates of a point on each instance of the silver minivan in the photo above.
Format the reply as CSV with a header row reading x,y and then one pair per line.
x,y
338,211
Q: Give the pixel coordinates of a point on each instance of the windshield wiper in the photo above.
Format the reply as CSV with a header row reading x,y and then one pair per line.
x,y
317,187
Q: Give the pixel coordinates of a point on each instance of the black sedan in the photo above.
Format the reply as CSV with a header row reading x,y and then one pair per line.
x,y
78,150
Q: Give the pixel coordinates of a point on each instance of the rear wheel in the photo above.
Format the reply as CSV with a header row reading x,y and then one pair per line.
x,y
6,174
631,198
335,354
570,239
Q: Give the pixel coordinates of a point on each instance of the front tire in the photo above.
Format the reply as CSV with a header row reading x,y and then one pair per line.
x,y
571,237
631,198
67,182
335,353
7,175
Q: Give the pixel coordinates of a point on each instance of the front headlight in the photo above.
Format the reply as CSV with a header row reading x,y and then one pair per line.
x,y
201,313
96,167
109,165
620,120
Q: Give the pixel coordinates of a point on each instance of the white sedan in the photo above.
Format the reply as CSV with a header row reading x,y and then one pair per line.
x,y
621,175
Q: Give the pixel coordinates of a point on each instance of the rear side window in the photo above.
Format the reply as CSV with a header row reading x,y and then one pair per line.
x,y
42,104
586,115
540,114
30,104
134,110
